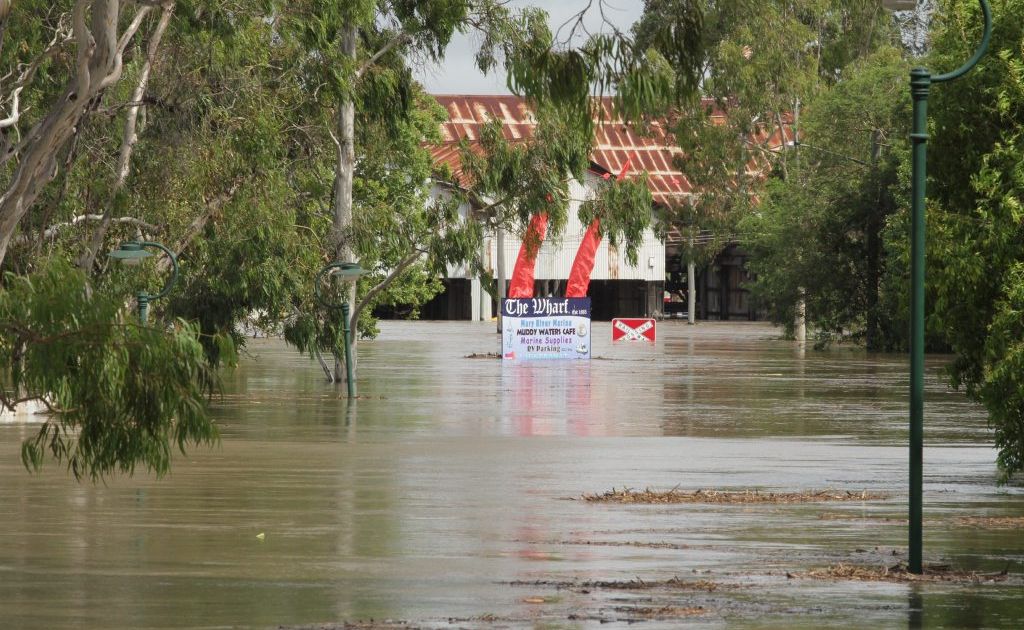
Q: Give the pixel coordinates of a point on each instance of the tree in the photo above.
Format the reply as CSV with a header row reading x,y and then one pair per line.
x,y
211,127
975,237
100,38
758,63
824,228
119,394
217,170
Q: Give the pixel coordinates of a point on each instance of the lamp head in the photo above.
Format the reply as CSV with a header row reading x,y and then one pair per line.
x,y
349,271
129,253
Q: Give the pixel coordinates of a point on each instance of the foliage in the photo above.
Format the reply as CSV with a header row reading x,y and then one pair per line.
x,y
624,210
758,61
975,237
120,394
824,229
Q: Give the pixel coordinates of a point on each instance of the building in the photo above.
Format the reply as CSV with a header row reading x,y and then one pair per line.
x,y
617,288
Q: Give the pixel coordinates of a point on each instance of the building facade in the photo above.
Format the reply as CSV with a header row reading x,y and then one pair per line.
x,y
617,288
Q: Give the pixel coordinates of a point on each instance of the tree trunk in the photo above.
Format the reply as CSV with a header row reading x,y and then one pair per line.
x,y
874,254
500,264
691,292
128,140
97,67
800,318
341,233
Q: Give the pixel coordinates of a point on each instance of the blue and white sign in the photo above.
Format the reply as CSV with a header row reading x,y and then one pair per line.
x,y
545,328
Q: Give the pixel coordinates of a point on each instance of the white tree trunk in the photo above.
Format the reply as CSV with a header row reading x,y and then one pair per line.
x,y
691,293
128,138
500,264
800,323
97,66
341,233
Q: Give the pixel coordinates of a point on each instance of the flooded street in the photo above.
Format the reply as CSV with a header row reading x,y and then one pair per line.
x,y
449,491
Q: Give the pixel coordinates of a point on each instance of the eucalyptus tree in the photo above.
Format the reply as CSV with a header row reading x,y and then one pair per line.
x,y
210,154
98,32
221,127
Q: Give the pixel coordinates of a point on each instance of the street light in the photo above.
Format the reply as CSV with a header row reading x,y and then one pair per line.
x,y
133,253
349,272
920,83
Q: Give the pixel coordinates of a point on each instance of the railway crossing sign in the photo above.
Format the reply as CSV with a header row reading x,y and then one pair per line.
x,y
633,329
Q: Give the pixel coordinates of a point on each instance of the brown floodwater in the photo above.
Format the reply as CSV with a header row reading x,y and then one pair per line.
x,y
442,493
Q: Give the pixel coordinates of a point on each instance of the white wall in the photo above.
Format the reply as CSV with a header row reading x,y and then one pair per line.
x,y
554,261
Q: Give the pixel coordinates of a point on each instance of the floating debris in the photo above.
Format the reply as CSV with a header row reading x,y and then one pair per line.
x,y
662,612
992,522
900,573
636,584
626,543
860,518
483,355
648,496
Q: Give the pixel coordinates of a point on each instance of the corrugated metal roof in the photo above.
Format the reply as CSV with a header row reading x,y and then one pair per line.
x,y
616,144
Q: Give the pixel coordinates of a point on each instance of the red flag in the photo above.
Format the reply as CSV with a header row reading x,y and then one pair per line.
x,y
583,266
521,285
622,171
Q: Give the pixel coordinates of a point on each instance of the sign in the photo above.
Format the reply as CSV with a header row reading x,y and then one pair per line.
x,y
545,328
633,329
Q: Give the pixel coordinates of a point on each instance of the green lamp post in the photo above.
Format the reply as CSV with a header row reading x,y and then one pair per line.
x,y
348,272
920,83
133,253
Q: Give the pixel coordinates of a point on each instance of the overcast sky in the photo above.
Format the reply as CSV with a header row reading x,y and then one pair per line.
x,y
457,74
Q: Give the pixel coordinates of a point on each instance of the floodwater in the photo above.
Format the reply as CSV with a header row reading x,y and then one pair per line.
x,y
441,497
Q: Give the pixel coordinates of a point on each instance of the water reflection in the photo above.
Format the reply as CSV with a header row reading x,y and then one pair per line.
x,y
915,608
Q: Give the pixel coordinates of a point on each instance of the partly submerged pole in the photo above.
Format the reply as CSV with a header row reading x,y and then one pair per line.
x,y
349,372
920,83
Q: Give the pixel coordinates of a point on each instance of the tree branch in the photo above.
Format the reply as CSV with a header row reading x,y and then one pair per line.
x,y
129,137
213,206
115,73
372,293
15,116
54,229
401,38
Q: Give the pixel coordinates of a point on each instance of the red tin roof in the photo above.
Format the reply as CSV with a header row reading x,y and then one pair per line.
x,y
616,143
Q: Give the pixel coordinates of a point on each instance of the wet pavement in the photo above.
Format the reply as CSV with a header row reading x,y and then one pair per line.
x,y
444,496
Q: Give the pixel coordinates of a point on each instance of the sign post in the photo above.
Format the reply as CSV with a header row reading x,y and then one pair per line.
x,y
545,328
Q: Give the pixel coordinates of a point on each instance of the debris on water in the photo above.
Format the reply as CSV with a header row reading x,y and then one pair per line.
x,y
626,543
483,355
900,573
636,584
648,496
992,522
844,516
370,624
661,612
